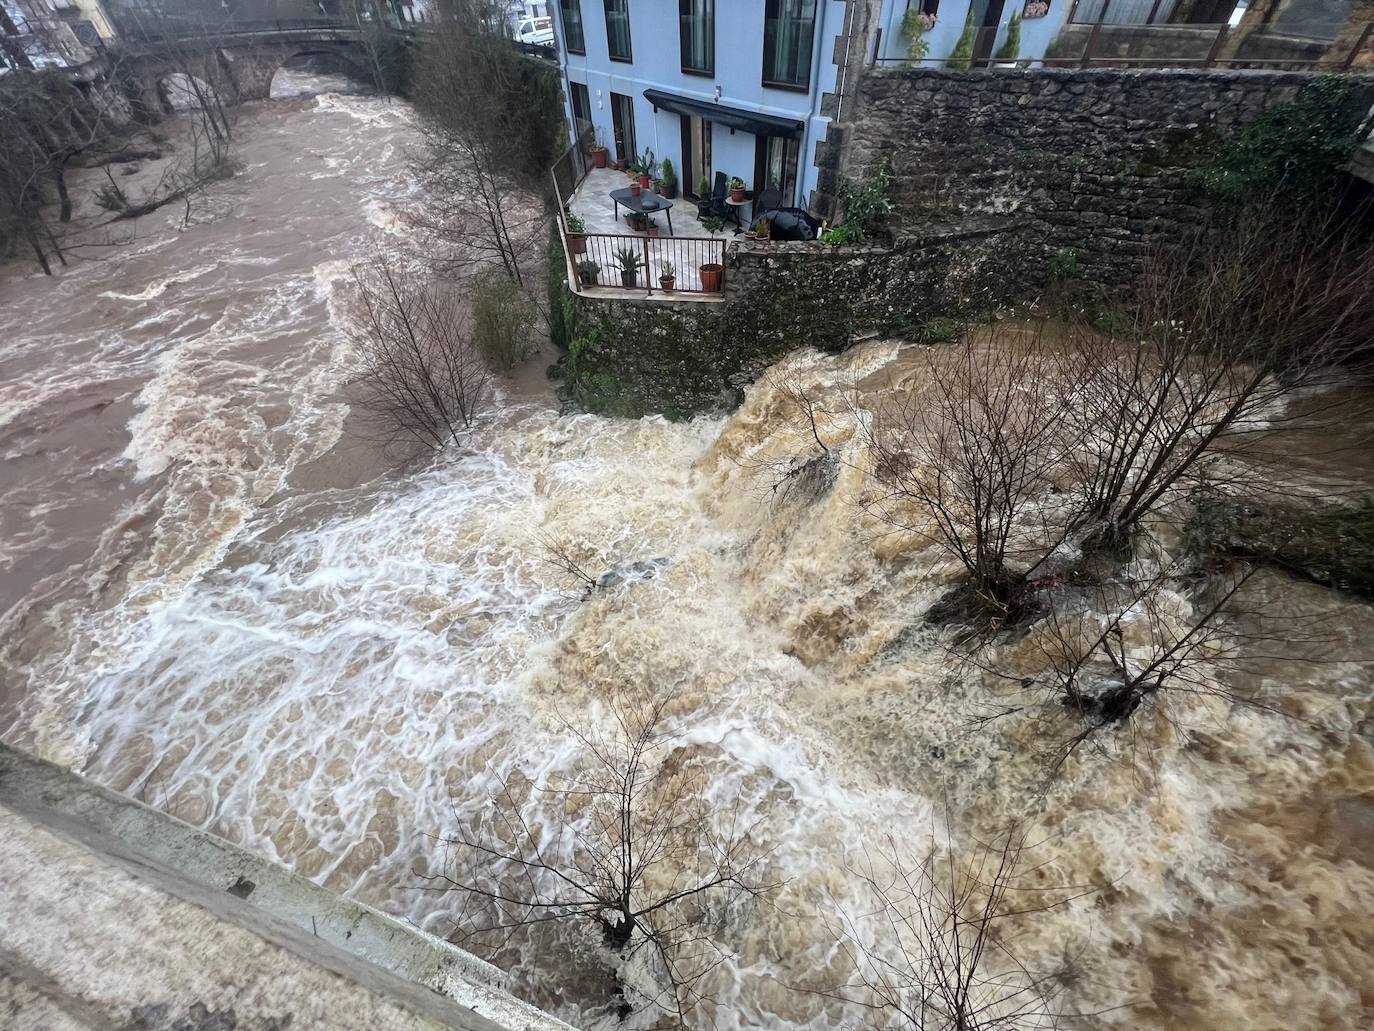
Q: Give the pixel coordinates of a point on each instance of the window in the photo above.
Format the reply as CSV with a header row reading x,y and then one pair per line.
x,y
618,29
581,107
775,165
573,38
697,21
623,124
788,28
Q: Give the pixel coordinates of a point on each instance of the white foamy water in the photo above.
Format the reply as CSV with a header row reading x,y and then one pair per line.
x,y
225,606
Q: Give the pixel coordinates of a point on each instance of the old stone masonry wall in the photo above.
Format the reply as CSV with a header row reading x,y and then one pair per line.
x,y
1098,162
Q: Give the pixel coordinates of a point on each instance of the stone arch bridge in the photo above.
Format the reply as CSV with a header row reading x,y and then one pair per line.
x,y
239,65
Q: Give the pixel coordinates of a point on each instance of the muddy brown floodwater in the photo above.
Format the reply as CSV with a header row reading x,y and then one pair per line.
x,y
216,598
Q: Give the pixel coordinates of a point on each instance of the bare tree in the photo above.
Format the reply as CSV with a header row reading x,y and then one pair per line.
x,y
628,845
935,948
966,455
423,381
1229,327
487,115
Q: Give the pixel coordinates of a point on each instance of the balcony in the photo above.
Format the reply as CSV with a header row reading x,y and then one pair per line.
x,y
685,243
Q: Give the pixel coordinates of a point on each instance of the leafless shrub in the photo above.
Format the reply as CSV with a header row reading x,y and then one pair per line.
x,y
1229,327
967,454
562,556
936,950
631,847
482,107
423,380
1106,650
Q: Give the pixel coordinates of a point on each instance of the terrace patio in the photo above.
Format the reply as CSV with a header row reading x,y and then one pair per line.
x,y
688,246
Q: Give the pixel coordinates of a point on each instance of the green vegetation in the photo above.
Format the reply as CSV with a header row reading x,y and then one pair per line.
x,y
866,203
562,315
1295,148
914,28
961,57
1065,263
1010,49
669,179
1331,545
503,318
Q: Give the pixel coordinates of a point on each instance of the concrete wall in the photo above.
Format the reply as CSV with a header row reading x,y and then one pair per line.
x,y
1097,161
115,915
655,44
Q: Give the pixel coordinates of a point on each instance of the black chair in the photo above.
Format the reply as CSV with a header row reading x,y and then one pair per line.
x,y
715,204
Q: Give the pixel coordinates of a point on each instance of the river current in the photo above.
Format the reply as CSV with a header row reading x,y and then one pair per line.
x,y
218,598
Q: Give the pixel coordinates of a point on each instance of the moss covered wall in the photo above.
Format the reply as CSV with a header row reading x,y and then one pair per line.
x,y
680,358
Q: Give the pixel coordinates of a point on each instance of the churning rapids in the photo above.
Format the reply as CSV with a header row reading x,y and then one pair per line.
x,y
219,601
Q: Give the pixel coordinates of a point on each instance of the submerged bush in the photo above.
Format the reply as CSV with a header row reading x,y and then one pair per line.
x,y
503,319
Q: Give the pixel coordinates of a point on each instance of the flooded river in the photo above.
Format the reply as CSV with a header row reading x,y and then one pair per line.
x,y
219,599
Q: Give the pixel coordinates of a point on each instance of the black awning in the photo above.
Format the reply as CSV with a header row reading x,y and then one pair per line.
x,y
733,117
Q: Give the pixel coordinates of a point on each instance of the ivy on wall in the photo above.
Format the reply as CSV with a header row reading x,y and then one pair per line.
x,y
1296,148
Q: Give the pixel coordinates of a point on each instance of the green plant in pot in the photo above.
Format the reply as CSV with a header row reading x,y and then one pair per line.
x,y
668,181
629,262
599,152
667,276
587,272
737,188
1010,49
577,230
643,168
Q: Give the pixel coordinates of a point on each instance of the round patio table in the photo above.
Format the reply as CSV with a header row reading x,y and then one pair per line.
x,y
646,204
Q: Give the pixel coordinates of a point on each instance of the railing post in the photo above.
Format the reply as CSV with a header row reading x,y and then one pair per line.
x,y
1359,45
648,269
1217,44
1084,61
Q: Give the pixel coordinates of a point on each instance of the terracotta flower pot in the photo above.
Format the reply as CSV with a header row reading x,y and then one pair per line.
x,y
622,163
577,243
751,235
600,155
644,182
665,283
711,275
737,193
635,189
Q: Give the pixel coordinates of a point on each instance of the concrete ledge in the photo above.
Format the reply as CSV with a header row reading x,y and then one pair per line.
x,y
425,974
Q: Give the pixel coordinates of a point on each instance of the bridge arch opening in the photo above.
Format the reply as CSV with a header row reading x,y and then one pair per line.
x,y
309,72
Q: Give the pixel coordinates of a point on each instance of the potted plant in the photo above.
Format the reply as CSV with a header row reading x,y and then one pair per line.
x,y
577,229
637,220
599,152
629,263
751,234
763,230
635,188
668,182
651,226
667,276
736,188
711,274
643,168
587,271
703,188
1010,49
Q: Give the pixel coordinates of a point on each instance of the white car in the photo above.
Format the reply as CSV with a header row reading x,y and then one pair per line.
x,y
535,30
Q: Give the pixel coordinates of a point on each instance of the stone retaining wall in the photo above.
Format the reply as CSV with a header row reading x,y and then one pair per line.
x,y
1096,161
633,357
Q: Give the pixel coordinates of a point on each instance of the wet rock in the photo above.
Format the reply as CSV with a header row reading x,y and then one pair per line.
x,y
643,570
